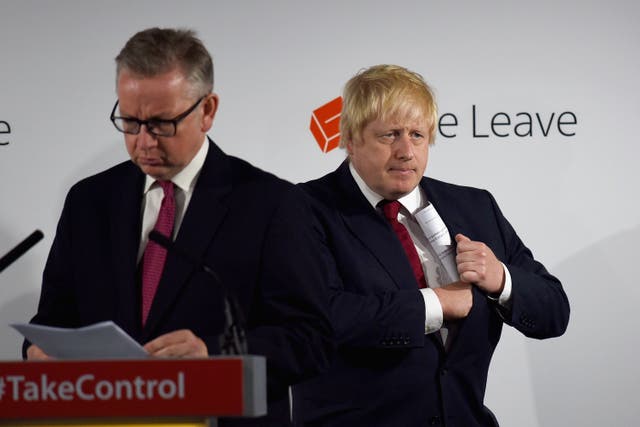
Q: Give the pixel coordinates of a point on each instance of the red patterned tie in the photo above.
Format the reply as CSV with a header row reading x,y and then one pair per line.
x,y
391,210
154,254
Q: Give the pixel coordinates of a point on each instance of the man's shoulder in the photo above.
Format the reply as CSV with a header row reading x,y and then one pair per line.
x,y
248,177
443,187
445,193
109,178
325,188
252,188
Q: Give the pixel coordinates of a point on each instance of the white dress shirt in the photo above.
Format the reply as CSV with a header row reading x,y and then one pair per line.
x,y
185,182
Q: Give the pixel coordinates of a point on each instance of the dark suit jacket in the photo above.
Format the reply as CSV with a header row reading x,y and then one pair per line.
x,y
251,227
387,371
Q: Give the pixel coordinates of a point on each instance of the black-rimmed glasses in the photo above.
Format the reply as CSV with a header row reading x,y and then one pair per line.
x,y
157,127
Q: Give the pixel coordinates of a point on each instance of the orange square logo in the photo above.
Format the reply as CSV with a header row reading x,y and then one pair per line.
x,y
325,124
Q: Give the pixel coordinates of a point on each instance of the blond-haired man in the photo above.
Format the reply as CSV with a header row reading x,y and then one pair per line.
x,y
423,273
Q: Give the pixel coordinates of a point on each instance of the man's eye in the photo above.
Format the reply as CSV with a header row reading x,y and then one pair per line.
x,y
388,137
159,124
129,124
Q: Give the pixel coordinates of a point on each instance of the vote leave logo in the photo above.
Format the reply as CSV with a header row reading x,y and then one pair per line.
x,y
325,124
474,124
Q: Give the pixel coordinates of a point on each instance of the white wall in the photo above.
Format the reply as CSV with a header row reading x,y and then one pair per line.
x,y
574,200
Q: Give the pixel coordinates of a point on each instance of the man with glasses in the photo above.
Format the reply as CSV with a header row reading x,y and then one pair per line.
x,y
229,230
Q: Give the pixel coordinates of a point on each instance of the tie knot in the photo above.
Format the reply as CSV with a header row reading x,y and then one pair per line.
x,y
391,209
167,187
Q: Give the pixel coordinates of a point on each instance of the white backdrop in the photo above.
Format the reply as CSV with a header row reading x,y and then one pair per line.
x,y
573,200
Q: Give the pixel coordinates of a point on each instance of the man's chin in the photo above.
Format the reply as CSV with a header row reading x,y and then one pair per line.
x,y
161,173
397,193
403,189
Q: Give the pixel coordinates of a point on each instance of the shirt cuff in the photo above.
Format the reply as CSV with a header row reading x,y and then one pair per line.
x,y
505,296
433,311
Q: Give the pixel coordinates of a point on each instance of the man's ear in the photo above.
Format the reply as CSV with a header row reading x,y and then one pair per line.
x,y
349,145
210,108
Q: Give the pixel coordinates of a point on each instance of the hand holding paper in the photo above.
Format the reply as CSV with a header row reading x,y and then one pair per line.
x,y
35,353
478,264
182,343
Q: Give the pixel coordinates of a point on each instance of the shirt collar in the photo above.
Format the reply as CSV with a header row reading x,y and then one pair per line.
x,y
187,177
413,201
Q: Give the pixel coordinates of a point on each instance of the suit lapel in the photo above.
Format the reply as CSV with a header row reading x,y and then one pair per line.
x,y
125,231
446,204
205,213
368,226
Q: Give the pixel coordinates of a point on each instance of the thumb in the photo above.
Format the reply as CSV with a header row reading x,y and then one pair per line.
x,y
462,238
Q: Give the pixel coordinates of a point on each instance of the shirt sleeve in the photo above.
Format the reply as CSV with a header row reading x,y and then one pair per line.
x,y
433,311
505,296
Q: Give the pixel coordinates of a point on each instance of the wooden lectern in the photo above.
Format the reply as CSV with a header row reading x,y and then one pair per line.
x,y
140,392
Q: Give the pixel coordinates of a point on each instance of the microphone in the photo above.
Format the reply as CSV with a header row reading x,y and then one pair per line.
x,y
233,341
20,249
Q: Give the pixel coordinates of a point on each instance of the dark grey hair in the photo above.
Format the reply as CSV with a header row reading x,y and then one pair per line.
x,y
156,51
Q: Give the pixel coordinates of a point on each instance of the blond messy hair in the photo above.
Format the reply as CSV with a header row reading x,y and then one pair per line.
x,y
383,92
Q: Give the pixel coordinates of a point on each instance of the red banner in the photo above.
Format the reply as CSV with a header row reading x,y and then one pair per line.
x,y
122,388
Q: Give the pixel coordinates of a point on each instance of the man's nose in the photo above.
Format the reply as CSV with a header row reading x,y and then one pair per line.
x,y
403,146
145,138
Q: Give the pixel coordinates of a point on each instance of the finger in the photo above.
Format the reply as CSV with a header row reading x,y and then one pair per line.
x,y
468,256
173,350
468,276
160,342
192,348
471,262
167,347
35,353
466,245
169,339
476,266
474,258
477,250
182,343
474,275
151,347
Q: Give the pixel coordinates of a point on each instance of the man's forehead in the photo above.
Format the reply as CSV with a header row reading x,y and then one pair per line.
x,y
157,96
415,118
171,78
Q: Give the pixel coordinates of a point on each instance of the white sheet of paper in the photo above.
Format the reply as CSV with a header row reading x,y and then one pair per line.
x,y
104,340
438,236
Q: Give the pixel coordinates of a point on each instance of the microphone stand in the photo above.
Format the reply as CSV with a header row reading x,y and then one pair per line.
x,y
20,249
233,341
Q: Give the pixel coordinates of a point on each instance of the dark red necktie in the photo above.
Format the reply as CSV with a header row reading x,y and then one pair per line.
x,y
154,254
391,209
